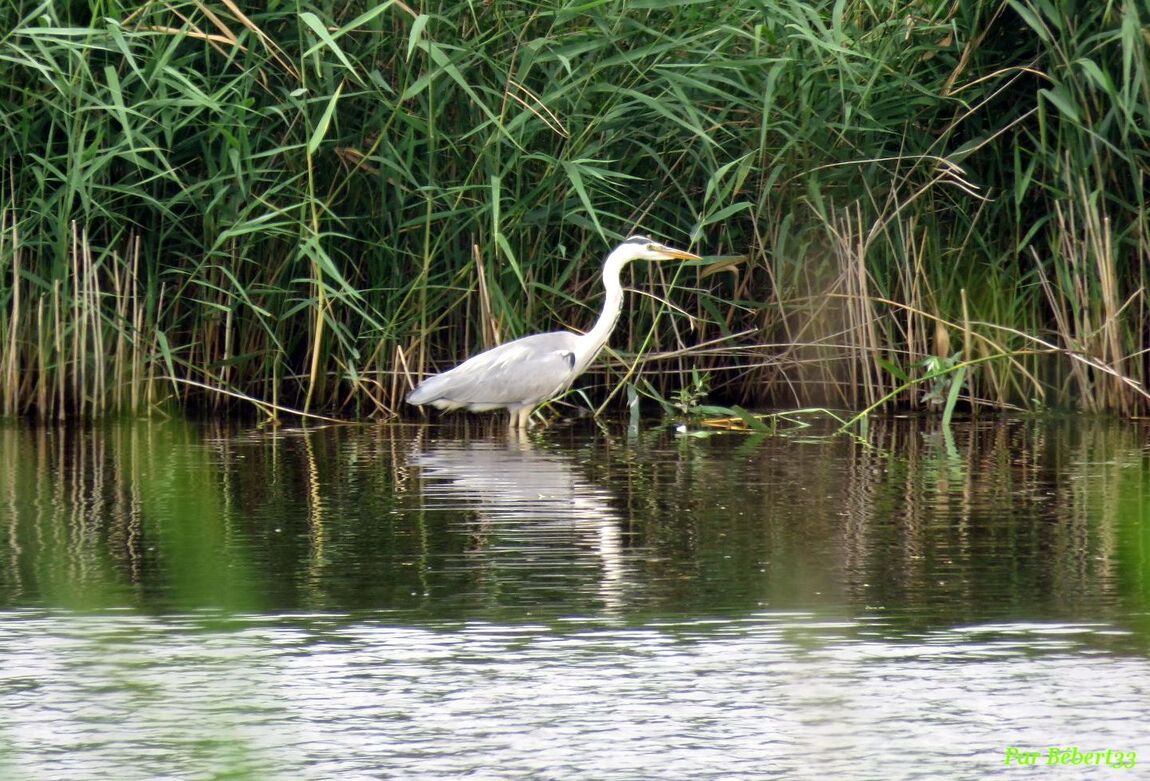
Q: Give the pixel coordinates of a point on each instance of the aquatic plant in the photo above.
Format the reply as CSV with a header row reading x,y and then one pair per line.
x,y
313,204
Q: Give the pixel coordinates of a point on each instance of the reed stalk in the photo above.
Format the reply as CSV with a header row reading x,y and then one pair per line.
x,y
10,360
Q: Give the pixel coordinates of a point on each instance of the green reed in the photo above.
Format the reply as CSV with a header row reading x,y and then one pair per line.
x,y
314,205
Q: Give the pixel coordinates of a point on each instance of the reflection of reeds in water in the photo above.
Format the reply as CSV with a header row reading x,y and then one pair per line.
x,y
72,516
118,515
1021,509
996,517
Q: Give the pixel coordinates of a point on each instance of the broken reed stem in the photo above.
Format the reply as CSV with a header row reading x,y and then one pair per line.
x,y
78,385
99,365
137,328
490,329
119,285
41,362
57,319
10,357
1111,331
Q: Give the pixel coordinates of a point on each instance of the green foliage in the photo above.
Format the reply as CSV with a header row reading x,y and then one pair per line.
x,y
314,203
686,400
941,385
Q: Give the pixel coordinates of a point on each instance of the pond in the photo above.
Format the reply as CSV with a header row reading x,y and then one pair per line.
x,y
214,601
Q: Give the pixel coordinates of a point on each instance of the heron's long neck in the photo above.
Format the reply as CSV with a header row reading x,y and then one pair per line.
x,y
592,341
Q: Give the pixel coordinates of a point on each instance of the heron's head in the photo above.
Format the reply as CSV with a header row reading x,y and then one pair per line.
x,y
641,247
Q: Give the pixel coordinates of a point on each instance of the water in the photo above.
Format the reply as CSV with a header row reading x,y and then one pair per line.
x,y
200,602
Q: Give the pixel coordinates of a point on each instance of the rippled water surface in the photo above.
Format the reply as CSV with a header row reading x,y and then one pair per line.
x,y
182,601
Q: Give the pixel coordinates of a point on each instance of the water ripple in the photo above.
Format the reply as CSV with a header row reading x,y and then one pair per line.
x,y
786,696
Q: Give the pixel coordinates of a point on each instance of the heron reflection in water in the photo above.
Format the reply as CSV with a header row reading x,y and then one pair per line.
x,y
537,519
521,374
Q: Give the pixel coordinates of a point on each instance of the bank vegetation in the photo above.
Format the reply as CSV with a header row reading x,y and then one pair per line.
x,y
311,204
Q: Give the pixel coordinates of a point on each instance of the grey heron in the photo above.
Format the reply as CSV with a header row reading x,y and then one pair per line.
x,y
521,374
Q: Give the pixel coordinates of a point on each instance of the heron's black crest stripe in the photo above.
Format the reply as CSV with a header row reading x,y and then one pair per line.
x,y
638,240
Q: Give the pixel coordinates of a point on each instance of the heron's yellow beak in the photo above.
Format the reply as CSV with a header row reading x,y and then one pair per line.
x,y
672,253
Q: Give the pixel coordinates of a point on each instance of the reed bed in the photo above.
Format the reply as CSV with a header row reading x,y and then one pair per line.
x,y
206,205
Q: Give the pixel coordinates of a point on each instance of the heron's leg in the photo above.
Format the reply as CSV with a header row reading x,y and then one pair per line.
x,y
520,416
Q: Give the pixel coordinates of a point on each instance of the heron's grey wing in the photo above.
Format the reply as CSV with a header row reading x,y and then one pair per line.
x,y
522,372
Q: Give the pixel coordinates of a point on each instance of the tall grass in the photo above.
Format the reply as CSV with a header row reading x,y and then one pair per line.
x,y
314,205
